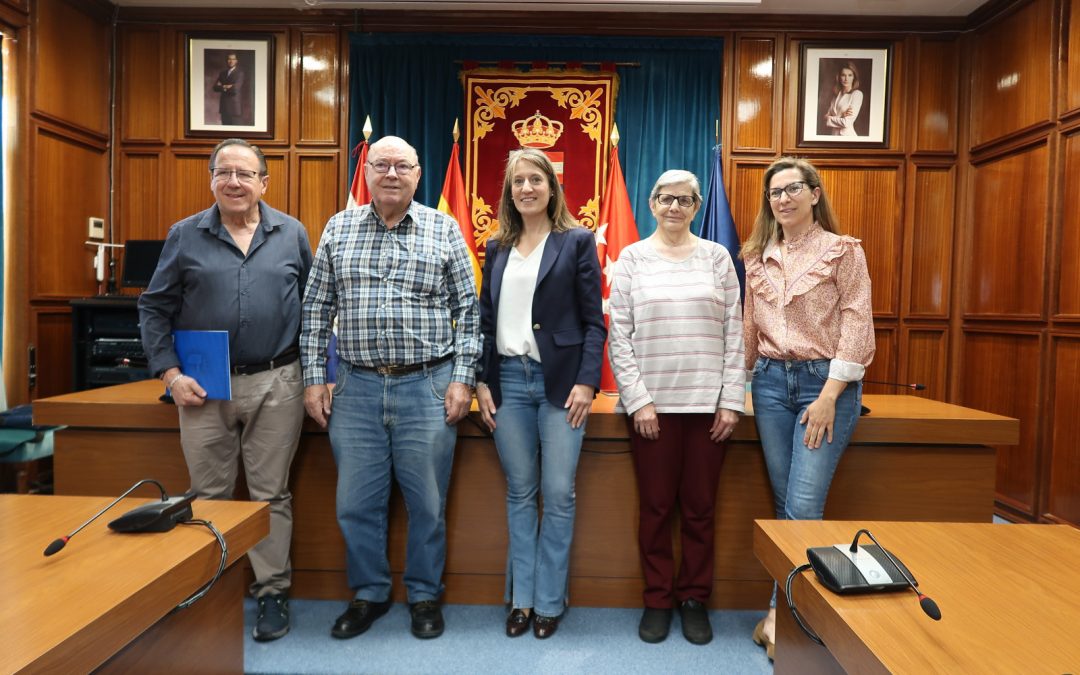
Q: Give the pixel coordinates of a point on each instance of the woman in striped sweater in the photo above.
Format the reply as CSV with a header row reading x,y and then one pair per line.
x,y
676,351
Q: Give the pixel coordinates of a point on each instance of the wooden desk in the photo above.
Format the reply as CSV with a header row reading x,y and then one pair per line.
x,y
923,460
1007,595
106,597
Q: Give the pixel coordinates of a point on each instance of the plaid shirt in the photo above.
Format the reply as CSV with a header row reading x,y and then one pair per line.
x,y
401,296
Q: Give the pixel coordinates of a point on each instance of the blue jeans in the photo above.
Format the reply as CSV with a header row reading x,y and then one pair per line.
x,y
800,477
378,425
539,451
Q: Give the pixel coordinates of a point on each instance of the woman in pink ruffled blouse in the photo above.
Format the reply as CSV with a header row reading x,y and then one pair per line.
x,y
809,335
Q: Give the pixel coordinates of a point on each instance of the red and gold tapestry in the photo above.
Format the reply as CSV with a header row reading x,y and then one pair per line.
x,y
567,114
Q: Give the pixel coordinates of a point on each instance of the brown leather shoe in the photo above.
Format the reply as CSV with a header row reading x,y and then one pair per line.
x,y
517,623
545,626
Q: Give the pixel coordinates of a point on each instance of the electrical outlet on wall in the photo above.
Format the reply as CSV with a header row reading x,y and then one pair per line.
x,y
96,228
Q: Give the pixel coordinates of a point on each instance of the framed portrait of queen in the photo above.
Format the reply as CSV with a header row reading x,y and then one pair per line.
x,y
844,95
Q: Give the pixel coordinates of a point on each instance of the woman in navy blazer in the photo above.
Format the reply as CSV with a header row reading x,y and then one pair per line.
x,y
543,328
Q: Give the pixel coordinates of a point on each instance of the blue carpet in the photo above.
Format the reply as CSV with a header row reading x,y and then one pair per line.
x,y
590,640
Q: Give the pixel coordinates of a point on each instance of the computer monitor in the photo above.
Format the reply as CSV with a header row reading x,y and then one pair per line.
x,y
140,261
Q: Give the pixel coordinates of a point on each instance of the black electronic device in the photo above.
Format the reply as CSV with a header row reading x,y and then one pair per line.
x,y
864,570
155,516
140,261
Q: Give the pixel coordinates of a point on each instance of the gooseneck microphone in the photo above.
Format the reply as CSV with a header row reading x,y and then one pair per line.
x,y
62,541
928,605
914,386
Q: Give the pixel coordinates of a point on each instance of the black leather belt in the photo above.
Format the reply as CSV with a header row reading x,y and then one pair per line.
x,y
283,359
405,370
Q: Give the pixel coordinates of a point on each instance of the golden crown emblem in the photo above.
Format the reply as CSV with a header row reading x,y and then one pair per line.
x,y
537,131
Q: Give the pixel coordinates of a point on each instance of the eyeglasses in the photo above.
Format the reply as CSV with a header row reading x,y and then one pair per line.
x,y
685,201
401,168
792,190
242,175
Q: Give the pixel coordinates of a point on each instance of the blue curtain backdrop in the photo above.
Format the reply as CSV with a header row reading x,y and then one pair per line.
x,y
666,108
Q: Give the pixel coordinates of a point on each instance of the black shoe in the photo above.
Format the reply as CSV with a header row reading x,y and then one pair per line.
x,y
545,626
427,619
358,618
517,623
655,624
695,622
273,617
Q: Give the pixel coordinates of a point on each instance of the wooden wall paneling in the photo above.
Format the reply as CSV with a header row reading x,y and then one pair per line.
x,y
317,188
1070,64
1006,274
884,366
867,200
929,241
924,355
277,190
1000,374
51,337
71,57
71,185
282,66
937,95
1013,73
21,5
746,195
141,84
1063,485
187,187
319,96
757,80
1067,253
139,208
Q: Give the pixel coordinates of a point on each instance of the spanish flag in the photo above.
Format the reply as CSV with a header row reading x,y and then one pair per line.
x,y
453,202
358,193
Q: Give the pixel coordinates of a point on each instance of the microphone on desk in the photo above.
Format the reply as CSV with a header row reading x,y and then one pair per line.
x,y
154,517
926,602
914,386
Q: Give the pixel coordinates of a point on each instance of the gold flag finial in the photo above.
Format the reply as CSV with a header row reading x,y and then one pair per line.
x,y
457,131
367,128
718,132
614,134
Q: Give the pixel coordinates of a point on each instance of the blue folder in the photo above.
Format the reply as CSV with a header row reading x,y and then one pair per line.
x,y
204,355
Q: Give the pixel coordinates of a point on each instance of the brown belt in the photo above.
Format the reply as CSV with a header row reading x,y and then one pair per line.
x,y
405,370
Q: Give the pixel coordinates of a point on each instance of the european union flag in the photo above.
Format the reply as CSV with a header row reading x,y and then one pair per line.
x,y
717,224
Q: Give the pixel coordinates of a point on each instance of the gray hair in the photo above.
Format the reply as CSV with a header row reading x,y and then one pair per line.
x,y
674,177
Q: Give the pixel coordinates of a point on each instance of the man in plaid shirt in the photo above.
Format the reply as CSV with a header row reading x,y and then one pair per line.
x,y
397,276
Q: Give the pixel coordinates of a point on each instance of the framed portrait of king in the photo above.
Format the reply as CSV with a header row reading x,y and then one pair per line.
x,y
228,85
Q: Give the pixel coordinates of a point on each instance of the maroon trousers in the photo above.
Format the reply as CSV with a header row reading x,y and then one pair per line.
x,y
681,466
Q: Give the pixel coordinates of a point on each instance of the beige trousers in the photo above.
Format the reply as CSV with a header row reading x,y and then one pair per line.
x,y
261,426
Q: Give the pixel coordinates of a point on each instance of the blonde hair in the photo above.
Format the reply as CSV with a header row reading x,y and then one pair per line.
x,y
766,228
510,221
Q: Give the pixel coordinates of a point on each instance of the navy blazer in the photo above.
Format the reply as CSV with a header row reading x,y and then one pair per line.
x,y
567,314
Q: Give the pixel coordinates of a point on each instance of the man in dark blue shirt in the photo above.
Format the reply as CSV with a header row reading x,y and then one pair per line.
x,y
239,266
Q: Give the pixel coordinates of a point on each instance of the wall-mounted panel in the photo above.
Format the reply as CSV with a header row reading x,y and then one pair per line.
x,y
1007,262
139,203
1071,66
926,355
318,196
883,367
1068,251
938,90
141,84
277,190
931,233
1000,374
1064,485
755,91
319,99
71,187
867,203
1012,73
71,66
746,196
